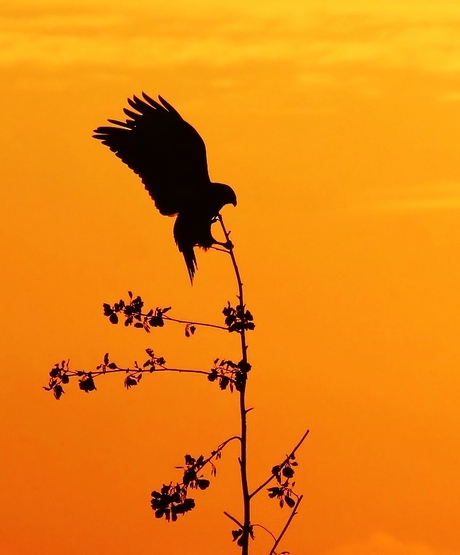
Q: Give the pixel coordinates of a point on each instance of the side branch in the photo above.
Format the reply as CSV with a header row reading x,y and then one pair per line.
x,y
284,463
134,314
217,452
228,515
226,373
193,323
286,526
61,373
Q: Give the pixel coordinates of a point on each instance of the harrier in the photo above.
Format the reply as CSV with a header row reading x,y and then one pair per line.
x,y
169,156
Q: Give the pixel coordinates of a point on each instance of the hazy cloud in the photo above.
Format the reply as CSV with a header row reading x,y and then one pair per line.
x,y
318,35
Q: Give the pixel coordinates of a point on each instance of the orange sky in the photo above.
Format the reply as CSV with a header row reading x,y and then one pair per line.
x,y
338,125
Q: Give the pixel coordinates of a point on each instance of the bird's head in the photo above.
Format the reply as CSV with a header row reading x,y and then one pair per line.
x,y
226,194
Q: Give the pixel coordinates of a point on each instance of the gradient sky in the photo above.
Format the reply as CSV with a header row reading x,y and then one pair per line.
x,y
338,125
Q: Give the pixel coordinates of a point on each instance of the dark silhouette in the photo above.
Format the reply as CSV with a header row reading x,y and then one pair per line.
x,y
169,156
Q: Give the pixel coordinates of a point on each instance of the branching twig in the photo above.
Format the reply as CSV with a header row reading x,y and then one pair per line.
x,y
228,515
193,323
225,372
290,456
266,530
133,313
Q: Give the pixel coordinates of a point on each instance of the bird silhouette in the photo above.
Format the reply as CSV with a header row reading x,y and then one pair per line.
x,y
169,156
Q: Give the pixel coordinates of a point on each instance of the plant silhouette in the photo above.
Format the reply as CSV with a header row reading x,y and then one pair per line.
x,y
170,157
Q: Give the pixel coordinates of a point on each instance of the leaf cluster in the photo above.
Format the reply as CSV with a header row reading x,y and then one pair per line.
x,y
229,374
238,318
172,500
283,490
61,373
132,311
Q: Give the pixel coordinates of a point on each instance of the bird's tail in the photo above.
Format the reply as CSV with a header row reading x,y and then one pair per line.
x,y
190,262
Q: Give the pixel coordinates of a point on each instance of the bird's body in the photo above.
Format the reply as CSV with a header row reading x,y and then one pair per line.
x,y
169,156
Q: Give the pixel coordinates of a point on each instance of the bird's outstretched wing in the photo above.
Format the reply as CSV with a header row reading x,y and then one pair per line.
x,y
162,148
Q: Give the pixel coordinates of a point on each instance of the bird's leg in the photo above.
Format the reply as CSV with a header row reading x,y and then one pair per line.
x,y
228,245
220,249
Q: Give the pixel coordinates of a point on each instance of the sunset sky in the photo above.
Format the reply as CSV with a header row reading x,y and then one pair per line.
x,y
337,123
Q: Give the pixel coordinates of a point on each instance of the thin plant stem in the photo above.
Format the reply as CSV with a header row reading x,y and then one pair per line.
x,y
237,522
243,410
266,530
219,449
286,526
190,322
96,373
